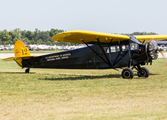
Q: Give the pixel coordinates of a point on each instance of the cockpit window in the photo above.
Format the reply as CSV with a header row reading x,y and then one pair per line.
x,y
134,39
134,46
117,48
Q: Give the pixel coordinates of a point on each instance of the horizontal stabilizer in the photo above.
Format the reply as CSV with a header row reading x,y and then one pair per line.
x,y
16,58
8,59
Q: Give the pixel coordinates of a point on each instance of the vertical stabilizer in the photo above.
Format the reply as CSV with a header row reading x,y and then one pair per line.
x,y
20,50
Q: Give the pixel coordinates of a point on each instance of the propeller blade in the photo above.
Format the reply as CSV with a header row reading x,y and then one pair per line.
x,y
163,57
162,54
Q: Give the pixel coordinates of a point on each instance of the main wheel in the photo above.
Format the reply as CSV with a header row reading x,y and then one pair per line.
x,y
127,73
144,72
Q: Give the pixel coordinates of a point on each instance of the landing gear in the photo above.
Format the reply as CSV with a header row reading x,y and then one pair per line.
x,y
143,73
127,73
27,70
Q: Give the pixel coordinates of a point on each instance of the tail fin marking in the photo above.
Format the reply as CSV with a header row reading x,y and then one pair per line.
x,y
21,52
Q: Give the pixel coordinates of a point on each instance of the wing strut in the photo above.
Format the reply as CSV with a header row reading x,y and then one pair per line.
x,y
103,51
97,53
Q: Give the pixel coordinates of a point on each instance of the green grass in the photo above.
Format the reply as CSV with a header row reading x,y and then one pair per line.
x,y
82,94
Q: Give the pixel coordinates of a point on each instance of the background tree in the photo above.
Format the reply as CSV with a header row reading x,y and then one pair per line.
x,y
48,43
41,37
5,36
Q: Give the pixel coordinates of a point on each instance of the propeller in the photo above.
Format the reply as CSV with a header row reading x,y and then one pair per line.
x,y
160,50
153,50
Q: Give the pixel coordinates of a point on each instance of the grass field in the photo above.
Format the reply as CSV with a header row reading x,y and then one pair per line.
x,y
82,94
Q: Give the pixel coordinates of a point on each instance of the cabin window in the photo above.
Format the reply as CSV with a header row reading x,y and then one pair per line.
x,y
134,46
112,48
125,47
115,48
106,49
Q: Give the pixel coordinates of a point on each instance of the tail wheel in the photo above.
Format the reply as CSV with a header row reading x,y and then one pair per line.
x,y
27,70
127,73
144,72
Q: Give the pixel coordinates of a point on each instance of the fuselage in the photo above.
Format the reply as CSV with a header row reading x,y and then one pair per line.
x,y
117,56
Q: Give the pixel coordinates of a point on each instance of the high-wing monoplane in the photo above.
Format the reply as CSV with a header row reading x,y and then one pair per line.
x,y
103,51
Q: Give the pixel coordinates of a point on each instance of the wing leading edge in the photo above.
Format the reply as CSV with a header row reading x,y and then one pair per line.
x,y
88,36
147,38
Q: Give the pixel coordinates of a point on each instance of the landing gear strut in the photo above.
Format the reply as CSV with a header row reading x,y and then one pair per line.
x,y
142,71
27,70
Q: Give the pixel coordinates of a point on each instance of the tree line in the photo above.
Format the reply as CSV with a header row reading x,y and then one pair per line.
x,y
142,33
31,37
40,37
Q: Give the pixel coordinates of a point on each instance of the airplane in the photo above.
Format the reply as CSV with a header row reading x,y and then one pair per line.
x,y
102,51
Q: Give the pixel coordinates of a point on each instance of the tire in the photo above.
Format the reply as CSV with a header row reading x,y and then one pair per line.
x,y
127,73
145,72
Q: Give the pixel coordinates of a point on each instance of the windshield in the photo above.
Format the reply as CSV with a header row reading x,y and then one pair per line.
x,y
134,39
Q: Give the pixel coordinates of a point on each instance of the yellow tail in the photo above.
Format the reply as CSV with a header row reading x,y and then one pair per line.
x,y
21,52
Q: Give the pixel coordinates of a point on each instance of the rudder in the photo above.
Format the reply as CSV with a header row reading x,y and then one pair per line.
x,y
20,50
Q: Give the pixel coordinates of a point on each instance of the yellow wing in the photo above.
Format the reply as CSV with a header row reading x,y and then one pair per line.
x,y
87,36
147,38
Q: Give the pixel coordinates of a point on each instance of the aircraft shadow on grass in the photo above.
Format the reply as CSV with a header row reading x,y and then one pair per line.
x,y
72,77
83,77
16,73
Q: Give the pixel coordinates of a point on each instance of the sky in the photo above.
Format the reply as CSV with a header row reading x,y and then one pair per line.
x,y
107,16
